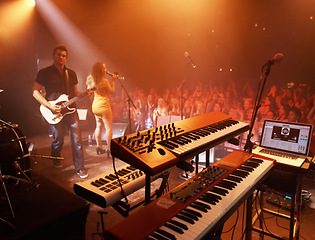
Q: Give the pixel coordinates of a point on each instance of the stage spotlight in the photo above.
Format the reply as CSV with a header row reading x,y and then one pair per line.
x,y
30,3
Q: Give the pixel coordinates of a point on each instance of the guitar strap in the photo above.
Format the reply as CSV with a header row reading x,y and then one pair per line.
x,y
67,82
70,91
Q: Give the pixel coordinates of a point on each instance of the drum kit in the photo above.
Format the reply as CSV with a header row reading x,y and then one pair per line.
x,y
14,162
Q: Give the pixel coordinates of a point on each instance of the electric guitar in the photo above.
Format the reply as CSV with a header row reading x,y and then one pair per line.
x,y
64,102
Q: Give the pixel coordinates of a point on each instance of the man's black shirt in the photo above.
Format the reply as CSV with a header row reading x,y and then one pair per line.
x,y
55,83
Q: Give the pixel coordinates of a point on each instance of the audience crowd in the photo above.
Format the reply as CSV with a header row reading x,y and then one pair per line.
x,y
292,104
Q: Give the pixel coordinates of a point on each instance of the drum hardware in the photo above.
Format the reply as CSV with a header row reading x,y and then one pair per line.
x,y
14,152
8,199
30,149
4,187
48,157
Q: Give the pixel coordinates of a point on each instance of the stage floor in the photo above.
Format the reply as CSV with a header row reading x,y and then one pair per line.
x,y
100,164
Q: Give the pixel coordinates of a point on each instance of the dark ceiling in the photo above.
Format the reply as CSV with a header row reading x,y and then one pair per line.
x,y
145,40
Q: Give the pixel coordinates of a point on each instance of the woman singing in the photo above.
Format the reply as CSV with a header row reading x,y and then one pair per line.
x,y
100,106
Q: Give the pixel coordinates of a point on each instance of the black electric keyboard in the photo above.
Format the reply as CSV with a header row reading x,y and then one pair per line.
x,y
198,206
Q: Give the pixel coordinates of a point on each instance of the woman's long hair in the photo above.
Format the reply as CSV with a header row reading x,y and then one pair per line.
x,y
97,72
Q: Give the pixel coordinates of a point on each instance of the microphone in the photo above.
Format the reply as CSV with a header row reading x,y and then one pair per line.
x,y
186,54
111,74
276,58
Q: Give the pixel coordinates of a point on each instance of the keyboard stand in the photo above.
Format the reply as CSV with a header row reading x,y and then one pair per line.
x,y
278,180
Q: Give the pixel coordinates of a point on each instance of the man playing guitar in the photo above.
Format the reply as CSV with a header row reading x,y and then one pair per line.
x,y
58,80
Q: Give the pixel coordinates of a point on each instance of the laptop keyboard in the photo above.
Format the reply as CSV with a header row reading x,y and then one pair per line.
x,y
279,154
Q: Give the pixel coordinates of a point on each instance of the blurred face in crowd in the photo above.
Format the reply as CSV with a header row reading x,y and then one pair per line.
x,y
247,104
278,101
161,102
292,117
270,115
282,111
290,103
187,105
150,99
217,107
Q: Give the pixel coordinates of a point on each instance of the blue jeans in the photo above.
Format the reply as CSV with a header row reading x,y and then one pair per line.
x,y
70,122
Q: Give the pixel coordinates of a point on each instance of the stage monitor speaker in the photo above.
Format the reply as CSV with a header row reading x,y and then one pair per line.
x,y
119,130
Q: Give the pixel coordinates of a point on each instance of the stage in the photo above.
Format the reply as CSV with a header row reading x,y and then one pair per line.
x,y
55,196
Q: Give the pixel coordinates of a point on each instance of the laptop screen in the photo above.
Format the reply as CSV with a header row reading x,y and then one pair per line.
x,y
285,136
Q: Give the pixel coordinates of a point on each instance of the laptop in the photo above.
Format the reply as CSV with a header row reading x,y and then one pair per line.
x,y
288,143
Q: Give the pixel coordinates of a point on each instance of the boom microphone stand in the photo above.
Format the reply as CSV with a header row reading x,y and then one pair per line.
x,y
264,71
129,102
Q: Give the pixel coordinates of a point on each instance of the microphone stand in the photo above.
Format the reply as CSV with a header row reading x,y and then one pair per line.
x,y
181,93
129,101
249,145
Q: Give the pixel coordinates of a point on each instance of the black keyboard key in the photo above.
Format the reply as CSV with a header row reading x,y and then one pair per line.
x,y
166,234
189,215
186,219
234,178
240,173
229,183
220,191
246,168
213,196
197,214
97,184
202,205
256,160
178,224
100,182
251,164
111,177
208,200
200,208
174,228
225,185
149,238
168,145
158,236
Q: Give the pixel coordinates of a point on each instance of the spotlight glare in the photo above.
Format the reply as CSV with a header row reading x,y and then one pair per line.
x,y
231,69
30,3
221,69
311,17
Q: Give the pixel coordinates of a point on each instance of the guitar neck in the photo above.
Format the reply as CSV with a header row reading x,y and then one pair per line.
x,y
73,100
